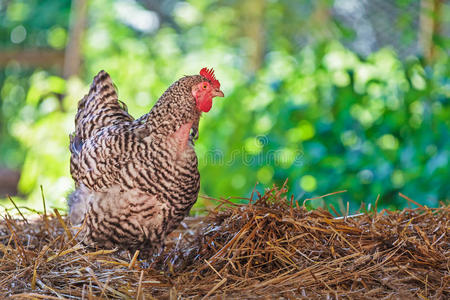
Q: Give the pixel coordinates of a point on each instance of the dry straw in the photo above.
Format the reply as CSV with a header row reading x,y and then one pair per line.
x,y
267,248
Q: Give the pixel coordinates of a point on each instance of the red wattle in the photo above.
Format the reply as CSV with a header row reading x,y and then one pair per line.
x,y
205,104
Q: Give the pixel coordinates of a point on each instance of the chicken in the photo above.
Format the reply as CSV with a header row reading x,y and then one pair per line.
x,y
135,180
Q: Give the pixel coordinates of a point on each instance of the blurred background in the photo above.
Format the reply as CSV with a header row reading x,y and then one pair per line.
x,y
334,95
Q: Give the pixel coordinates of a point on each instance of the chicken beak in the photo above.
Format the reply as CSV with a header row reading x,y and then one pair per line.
x,y
217,93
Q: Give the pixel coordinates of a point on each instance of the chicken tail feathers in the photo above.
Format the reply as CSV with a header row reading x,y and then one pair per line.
x,y
99,108
75,144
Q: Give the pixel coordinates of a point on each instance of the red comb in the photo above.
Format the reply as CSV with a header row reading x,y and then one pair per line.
x,y
209,74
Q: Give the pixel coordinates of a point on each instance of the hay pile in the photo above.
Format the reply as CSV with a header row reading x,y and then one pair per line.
x,y
268,248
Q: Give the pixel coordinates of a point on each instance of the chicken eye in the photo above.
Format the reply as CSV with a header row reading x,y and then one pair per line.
x,y
205,86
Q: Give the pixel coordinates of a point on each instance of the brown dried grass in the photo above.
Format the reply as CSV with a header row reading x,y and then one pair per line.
x,y
267,248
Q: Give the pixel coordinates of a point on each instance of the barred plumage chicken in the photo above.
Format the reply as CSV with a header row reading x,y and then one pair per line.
x,y
136,179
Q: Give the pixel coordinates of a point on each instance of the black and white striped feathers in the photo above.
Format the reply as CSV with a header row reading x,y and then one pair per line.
x,y
135,179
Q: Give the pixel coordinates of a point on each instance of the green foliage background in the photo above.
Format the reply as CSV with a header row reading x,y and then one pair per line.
x,y
314,112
